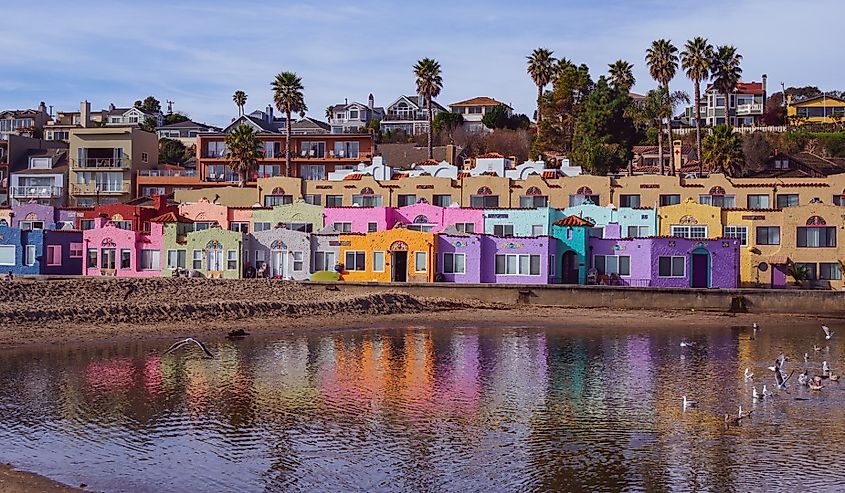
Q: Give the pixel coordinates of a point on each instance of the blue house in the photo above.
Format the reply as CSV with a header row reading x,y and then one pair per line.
x,y
21,251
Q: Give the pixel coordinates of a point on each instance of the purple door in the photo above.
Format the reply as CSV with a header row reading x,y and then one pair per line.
x,y
778,276
700,270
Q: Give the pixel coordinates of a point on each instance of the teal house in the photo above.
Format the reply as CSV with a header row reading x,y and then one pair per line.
x,y
639,222
572,254
518,222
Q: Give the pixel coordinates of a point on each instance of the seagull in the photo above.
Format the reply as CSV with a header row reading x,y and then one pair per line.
x,y
189,340
748,375
735,420
814,385
689,403
827,332
766,392
778,362
803,378
780,378
816,347
755,326
754,395
825,368
806,357
686,344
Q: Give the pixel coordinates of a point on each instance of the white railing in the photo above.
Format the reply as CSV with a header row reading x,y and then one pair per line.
x,y
749,109
743,129
42,192
93,162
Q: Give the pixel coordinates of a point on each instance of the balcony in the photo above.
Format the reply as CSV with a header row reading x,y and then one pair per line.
x,y
167,172
106,188
398,117
36,192
226,177
749,109
100,163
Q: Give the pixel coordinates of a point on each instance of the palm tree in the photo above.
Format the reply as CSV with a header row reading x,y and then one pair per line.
x,y
695,60
288,98
651,112
726,72
240,101
722,150
541,68
622,75
429,84
662,61
243,151
329,113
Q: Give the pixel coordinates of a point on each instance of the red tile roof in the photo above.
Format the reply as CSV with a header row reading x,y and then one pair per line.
x,y
353,176
574,221
550,174
170,217
479,101
490,155
755,88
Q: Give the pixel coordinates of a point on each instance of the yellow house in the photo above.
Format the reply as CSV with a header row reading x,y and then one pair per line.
x,y
690,219
394,255
819,109
759,234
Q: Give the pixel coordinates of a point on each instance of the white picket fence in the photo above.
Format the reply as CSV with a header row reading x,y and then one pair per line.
x,y
742,130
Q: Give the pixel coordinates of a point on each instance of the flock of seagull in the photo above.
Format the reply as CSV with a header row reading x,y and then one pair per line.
x,y
814,383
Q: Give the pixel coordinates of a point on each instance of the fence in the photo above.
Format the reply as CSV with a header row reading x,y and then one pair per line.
x,y
742,130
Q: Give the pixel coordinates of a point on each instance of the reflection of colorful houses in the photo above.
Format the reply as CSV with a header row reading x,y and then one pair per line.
x,y
111,250
394,255
286,252
214,252
573,236
669,262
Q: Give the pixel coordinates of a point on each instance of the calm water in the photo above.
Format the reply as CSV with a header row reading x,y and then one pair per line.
x,y
427,409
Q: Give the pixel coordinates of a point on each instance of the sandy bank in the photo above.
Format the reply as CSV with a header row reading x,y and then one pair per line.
x,y
12,481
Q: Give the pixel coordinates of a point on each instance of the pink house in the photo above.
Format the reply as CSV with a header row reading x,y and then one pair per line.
x,y
112,251
431,218
239,219
357,219
205,213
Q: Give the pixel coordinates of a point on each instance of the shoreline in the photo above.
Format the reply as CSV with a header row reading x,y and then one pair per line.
x,y
16,481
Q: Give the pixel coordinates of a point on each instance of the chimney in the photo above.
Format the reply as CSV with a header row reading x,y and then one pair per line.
x,y
160,202
345,100
42,108
85,114
371,101
765,79
111,106
676,155
450,154
269,113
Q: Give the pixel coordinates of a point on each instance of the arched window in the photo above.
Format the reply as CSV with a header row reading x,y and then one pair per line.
x,y
533,191
484,191
33,217
717,190
3,222
688,220
367,191
278,191
422,200
816,221
584,191
421,219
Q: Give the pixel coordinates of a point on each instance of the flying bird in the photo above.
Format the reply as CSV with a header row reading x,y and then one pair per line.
x,y
187,341
827,332
686,344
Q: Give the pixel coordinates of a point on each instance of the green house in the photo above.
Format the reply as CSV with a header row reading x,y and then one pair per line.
x,y
213,252
573,235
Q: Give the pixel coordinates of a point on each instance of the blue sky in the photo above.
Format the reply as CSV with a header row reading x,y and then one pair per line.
x,y
197,53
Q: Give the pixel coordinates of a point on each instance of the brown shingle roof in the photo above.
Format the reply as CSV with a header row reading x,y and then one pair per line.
x,y
479,101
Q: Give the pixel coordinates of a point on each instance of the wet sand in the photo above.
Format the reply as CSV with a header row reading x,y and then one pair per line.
x,y
13,481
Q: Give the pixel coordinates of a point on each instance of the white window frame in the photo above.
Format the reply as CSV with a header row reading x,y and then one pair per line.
x,y
417,262
298,258
737,232
231,256
518,265
356,255
196,256
76,250
55,261
618,261
449,260
672,266
342,226
14,250
323,255
678,230
378,261
155,264
30,255
504,230
465,227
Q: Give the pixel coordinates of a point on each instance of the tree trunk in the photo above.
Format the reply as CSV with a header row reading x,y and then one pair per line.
x,y
669,133
728,109
287,143
430,123
539,109
698,127
660,146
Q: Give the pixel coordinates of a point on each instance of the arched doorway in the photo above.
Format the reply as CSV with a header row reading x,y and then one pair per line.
x,y
214,258
569,268
399,261
700,268
279,259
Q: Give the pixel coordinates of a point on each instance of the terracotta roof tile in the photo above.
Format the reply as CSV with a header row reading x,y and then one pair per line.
x,y
490,155
353,176
170,217
479,101
573,221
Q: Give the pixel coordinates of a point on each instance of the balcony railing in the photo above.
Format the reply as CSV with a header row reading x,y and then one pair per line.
x,y
37,192
101,163
749,109
222,177
96,188
392,117
213,154
167,172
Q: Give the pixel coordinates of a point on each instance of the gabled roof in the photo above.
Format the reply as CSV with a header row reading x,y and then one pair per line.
x,y
480,101
261,126
122,111
803,164
417,102
187,124
755,88
816,98
574,221
170,217
308,122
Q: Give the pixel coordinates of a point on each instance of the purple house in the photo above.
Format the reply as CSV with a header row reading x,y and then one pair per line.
x,y
474,258
666,262
425,217
31,216
62,253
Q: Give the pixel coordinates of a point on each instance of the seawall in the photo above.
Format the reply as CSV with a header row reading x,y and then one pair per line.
x,y
823,303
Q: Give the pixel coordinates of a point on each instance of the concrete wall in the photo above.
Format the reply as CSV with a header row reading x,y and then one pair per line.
x,y
823,303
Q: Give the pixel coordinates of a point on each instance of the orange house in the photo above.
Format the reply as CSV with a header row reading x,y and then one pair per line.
x,y
394,255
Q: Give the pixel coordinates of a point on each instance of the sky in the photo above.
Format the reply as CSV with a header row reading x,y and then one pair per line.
x,y
197,53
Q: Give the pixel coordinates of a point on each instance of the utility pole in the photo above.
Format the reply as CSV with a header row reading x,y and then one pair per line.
x,y
169,107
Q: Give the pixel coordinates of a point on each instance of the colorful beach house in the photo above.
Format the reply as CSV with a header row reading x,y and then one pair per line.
x,y
299,216
480,258
325,251
358,219
213,252
394,255
573,235
111,250
287,252
425,217
636,222
666,262
31,215
518,222
20,251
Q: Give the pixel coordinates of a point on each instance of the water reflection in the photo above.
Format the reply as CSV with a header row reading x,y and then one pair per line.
x,y
429,409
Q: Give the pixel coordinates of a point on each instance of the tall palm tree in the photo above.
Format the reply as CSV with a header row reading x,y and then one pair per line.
x,y
240,101
651,112
726,71
288,98
695,60
662,61
541,68
622,75
329,113
243,151
429,84
722,150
